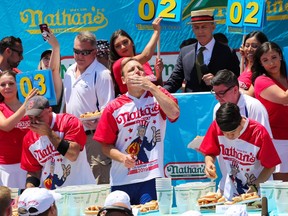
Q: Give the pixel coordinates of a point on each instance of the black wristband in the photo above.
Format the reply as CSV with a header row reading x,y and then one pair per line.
x,y
63,147
33,180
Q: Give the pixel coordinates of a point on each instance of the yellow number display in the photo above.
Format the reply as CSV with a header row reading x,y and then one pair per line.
x,y
151,10
41,84
41,78
234,7
22,84
166,12
245,13
250,18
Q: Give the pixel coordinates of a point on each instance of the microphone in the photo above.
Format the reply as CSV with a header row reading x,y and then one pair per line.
x,y
204,69
264,211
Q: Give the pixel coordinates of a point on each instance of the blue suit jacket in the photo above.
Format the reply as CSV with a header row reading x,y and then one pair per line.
x,y
221,58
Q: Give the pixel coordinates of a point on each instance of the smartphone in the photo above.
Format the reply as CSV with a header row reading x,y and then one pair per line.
x,y
44,30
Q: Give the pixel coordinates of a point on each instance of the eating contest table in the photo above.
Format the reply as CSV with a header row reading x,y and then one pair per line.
x,y
256,212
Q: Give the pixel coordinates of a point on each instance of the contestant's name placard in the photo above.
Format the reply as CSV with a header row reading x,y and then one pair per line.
x,y
40,79
244,16
147,10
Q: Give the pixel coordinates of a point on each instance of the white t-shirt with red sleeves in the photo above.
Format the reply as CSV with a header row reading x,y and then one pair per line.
x,y
251,108
57,171
131,124
11,141
278,113
240,160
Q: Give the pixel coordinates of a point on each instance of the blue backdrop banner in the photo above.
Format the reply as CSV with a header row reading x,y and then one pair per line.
x,y
103,17
181,163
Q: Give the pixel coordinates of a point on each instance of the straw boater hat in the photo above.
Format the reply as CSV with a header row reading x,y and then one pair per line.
x,y
201,16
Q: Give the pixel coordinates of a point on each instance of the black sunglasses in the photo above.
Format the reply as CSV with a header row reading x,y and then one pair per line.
x,y
23,211
20,53
222,94
82,52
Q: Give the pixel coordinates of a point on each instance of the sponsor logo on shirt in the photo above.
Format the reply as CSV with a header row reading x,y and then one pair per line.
x,y
42,155
129,118
244,158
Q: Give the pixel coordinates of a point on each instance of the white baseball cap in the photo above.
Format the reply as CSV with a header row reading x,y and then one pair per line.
x,y
40,199
116,198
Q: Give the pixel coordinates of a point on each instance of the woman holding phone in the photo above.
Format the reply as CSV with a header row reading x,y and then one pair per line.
x,y
50,59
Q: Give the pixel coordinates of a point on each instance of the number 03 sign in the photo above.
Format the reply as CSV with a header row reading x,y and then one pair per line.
x,y
40,79
147,10
245,13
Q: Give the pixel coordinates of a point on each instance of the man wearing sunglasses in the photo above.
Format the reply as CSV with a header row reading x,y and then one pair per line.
x,y
11,53
88,87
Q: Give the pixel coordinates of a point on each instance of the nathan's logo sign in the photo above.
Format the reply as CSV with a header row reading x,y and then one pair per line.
x,y
66,20
185,170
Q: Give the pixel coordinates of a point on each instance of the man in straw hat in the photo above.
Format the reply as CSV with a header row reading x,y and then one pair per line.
x,y
199,62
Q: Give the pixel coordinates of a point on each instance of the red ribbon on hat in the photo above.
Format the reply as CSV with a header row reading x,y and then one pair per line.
x,y
202,18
